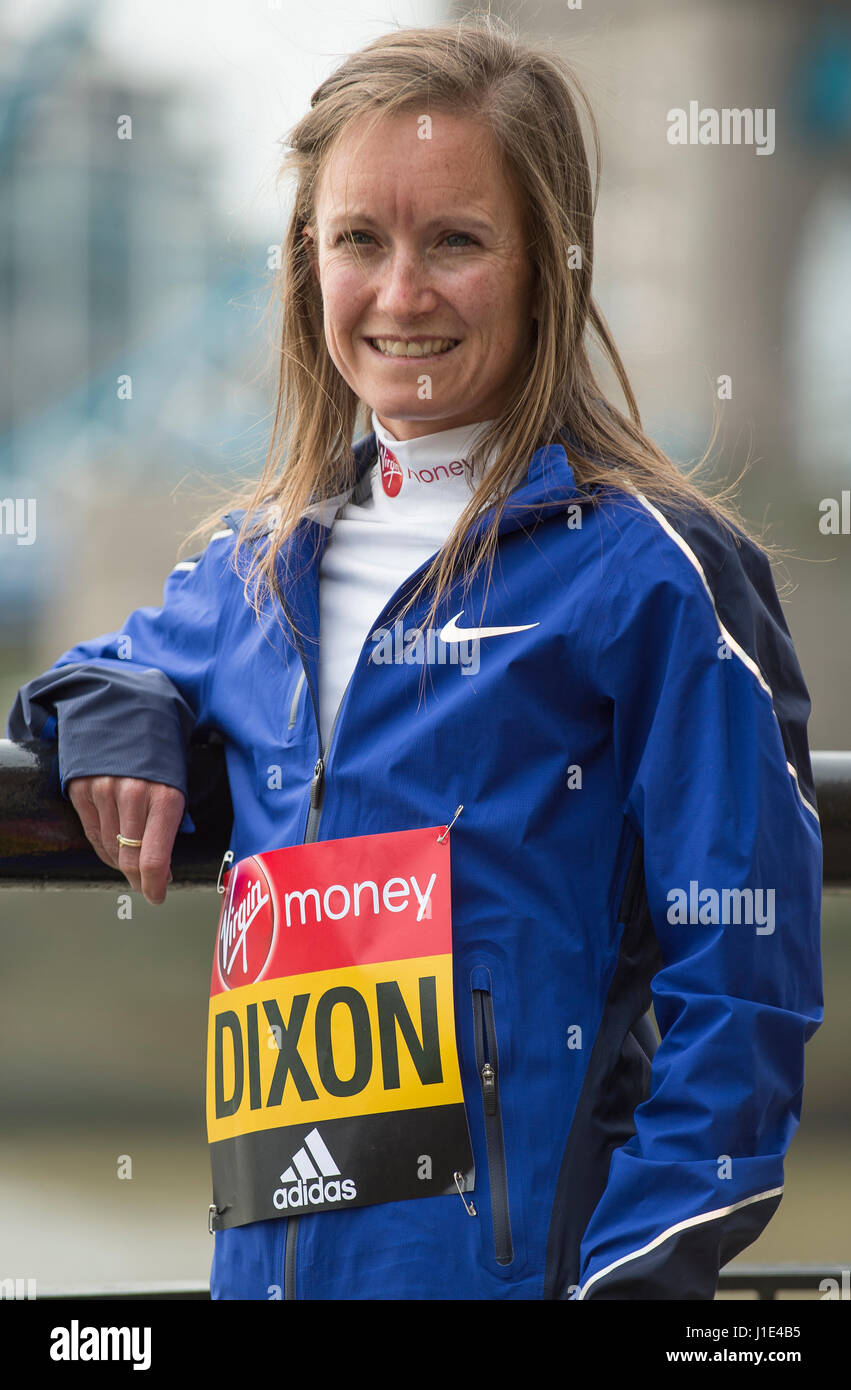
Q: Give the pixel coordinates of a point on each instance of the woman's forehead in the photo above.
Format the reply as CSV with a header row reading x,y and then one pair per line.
x,y
391,162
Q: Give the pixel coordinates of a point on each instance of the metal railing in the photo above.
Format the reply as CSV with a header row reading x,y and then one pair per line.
x,y
42,843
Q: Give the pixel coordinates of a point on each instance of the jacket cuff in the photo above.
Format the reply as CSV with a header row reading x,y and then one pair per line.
x,y
82,755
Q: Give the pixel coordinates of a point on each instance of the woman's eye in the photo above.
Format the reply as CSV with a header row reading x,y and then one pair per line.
x,y
349,237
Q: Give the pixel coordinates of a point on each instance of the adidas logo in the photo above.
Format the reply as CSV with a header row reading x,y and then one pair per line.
x,y
313,1178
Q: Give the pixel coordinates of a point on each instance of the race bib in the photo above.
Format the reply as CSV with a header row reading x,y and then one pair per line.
x,y
332,1067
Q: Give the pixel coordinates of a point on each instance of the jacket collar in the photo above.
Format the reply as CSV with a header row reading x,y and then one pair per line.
x,y
549,478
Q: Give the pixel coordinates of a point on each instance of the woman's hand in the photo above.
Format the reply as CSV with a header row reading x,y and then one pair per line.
x,y
140,810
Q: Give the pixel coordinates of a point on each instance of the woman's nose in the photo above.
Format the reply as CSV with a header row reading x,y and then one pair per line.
x,y
404,282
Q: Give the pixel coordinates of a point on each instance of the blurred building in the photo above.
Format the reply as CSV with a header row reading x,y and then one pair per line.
x,y
713,260
119,274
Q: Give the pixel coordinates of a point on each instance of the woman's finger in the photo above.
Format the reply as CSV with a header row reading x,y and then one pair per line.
x,y
81,796
109,819
155,814
128,816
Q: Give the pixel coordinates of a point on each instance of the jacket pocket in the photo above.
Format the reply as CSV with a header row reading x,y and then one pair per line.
x,y
279,743
293,712
487,1066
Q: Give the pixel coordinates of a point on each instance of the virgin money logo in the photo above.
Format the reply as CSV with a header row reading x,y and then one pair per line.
x,y
391,471
247,927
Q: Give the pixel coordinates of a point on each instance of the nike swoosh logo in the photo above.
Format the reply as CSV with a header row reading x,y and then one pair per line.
x,y
451,632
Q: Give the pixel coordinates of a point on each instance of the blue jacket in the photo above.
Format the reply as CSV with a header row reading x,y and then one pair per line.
x,y
639,827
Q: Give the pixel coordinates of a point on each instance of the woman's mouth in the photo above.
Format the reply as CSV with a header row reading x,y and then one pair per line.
x,y
418,349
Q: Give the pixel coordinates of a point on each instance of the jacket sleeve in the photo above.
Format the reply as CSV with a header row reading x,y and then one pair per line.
x,y
709,717
125,704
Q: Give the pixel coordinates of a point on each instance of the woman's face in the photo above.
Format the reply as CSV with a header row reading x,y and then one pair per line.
x,y
436,251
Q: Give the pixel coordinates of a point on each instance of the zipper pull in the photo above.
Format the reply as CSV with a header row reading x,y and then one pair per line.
x,y
489,1089
470,1209
316,784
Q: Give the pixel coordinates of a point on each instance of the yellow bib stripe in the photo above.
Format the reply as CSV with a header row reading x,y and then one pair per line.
x,y
360,1040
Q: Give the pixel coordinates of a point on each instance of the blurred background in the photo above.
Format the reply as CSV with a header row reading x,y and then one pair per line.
x,y
138,213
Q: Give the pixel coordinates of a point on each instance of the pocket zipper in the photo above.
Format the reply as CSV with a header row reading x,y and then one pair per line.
x,y
487,1065
295,700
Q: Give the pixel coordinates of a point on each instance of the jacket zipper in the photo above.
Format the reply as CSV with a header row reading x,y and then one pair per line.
x,y
317,789
487,1065
314,815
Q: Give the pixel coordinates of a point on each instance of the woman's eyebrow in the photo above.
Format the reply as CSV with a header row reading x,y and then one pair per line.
x,y
453,217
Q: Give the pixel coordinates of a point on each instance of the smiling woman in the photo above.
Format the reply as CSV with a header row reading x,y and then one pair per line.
x,y
461,1093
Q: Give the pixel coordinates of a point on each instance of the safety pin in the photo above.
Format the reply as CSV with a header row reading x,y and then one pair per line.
x,y
213,1214
227,859
468,1206
442,837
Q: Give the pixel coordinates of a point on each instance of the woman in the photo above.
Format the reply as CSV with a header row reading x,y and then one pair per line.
x,y
520,635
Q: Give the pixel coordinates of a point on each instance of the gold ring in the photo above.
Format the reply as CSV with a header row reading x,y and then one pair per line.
x,y
122,840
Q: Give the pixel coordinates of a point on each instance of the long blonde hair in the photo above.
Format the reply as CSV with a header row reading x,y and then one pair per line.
x,y
531,101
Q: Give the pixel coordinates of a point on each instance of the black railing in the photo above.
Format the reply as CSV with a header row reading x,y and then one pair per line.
x,y
42,843
764,1282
